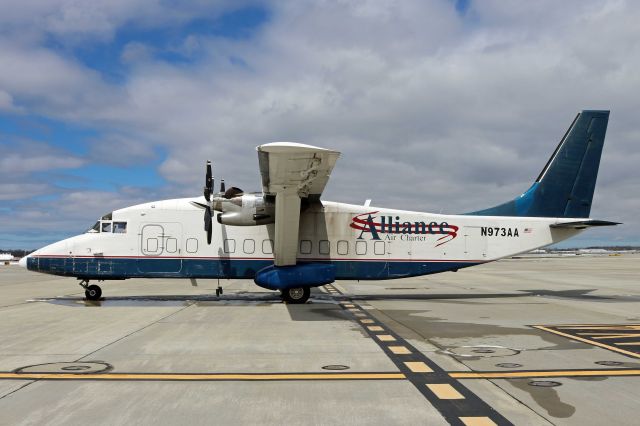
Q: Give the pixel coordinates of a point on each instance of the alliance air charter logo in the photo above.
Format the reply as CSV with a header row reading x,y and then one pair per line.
x,y
389,227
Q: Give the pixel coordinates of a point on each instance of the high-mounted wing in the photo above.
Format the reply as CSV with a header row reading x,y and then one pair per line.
x,y
290,172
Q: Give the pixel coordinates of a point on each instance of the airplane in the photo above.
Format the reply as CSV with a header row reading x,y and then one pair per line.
x,y
285,238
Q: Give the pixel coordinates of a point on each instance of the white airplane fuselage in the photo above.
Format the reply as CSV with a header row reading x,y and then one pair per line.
x,y
166,239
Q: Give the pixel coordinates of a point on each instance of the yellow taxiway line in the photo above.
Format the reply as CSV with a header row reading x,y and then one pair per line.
x,y
206,377
537,374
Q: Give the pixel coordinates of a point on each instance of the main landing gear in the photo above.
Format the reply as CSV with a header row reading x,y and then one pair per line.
x,y
91,292
296,295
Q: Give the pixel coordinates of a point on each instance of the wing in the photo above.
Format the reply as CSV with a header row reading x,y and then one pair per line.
x,y
290,172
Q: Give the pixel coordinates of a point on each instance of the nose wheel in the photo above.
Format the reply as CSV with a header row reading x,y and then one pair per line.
x,y
91,292
296,295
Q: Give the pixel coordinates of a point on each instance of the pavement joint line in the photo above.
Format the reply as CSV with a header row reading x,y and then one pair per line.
x,y
426,371
202,377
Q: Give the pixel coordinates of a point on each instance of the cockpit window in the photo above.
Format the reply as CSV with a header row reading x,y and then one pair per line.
x,y
106,227
94,228
119,227
108,216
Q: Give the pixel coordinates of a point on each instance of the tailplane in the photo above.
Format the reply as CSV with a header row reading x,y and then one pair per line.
x,y
566,184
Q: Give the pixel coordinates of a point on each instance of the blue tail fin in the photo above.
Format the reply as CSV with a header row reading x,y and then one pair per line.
x,y
566,184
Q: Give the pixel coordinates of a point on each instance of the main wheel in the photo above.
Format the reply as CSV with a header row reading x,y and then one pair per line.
x,y
93,292
296,295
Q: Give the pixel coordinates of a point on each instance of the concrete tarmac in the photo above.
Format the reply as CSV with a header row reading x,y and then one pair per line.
x,y
521,341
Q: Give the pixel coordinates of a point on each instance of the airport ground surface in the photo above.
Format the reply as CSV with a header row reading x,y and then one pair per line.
x,y
457,348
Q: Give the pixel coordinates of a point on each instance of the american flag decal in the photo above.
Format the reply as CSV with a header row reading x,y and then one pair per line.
x,y
528,230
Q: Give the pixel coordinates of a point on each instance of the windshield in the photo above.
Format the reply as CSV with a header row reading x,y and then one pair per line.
x,y
94,228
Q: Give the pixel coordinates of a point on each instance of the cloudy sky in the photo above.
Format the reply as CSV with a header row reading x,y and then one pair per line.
x,y
440,105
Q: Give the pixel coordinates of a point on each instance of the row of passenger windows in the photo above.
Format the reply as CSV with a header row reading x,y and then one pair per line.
x,y
342,247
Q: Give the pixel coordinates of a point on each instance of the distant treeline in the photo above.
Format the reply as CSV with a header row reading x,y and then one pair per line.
x,y
598,248
16,252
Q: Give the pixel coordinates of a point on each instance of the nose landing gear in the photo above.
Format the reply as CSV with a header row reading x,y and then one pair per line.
x,y
91,292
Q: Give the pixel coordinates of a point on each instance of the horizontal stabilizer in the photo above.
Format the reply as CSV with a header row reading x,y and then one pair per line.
x,y
582,224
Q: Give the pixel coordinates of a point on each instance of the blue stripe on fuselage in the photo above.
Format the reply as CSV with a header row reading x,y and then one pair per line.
x,y
105,268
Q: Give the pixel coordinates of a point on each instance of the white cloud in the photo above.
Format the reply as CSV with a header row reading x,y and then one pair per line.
x,y
432,110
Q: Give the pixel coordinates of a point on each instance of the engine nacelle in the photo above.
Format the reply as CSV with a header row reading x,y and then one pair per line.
x,y
244,210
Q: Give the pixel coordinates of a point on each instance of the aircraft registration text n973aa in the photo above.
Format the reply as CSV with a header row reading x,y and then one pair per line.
x,y
286,238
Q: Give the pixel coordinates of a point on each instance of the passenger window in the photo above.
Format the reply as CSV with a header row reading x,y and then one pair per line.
x,y
229,246
343,247
267,246
192,245
324,247
152,245
305,247
106,227
119,227
172,244
249,246
361,247
378,248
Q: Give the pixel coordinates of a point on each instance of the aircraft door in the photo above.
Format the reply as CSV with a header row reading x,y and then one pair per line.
x,y
160,248
475,245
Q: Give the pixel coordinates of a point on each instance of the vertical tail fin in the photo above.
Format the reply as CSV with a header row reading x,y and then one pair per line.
x,y
566,184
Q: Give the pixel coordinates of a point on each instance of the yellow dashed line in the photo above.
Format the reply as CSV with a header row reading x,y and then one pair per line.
x,y
477,421
399,350
418,367
385,337
367,321
375,328
444,391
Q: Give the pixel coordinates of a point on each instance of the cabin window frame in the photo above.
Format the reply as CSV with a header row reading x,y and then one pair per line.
x,y
338,247
377,244
322,244
253,245
173,241
361,244
227,247
187,245
269,243
309,249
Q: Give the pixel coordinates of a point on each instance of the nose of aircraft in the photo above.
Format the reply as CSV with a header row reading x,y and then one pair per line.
x,y
23,261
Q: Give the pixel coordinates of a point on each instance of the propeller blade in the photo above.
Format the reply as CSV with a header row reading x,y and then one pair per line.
x,y
222,187
207,224
208,183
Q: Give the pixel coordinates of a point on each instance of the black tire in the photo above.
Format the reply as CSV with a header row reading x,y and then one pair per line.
x,y
93,292
296,295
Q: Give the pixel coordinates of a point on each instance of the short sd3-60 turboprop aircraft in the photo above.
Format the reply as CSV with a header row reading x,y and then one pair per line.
x,y
286,239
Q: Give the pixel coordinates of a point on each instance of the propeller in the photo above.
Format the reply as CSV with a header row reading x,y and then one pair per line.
x,y
208,190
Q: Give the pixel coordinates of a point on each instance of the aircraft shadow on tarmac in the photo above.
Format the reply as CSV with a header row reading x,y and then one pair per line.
x,y
253,298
